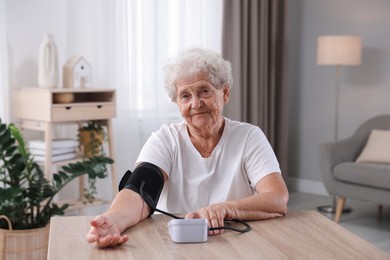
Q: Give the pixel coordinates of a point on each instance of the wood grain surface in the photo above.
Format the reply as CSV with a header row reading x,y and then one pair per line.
x,y
298,235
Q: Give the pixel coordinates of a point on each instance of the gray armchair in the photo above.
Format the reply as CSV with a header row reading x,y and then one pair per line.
x,y
344,178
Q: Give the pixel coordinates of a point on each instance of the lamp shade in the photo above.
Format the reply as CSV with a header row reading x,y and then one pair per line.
x,y
339,50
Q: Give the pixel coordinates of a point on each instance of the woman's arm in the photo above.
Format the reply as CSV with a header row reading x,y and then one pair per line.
x,y
127,209
269,202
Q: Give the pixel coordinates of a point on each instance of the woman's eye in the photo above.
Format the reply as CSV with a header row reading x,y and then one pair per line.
x,y
205,92
184,96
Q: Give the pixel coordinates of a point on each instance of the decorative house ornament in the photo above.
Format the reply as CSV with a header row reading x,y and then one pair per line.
x,y
77,73
48,63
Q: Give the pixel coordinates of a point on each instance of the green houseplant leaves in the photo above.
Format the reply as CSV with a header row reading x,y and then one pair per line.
x,y
26,195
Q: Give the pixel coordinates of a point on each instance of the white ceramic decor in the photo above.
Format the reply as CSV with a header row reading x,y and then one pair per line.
x,y
48,63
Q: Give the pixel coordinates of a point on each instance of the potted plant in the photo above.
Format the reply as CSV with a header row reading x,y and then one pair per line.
x,y
91,137
26,204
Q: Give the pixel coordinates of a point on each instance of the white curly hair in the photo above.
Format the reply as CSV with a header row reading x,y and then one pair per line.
x,y
194,61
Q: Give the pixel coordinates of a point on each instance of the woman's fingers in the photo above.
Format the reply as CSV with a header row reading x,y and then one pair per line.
x,y
214,215
216,221
104,233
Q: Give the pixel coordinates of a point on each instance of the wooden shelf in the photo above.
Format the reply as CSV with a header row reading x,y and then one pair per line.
x,y
41,105
40,109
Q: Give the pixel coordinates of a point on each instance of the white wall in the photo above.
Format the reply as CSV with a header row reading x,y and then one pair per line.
x,y
365,90
27,21
74,30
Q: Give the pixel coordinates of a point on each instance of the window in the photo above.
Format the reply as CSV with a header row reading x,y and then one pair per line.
x,y
157,30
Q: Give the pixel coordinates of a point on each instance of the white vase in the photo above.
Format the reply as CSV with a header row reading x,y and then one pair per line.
x,y
48,63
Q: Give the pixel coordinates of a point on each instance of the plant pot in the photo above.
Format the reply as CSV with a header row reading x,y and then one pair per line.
x,y
91,142
29,244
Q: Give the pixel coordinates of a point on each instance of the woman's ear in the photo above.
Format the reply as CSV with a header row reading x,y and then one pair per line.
x,y
226,93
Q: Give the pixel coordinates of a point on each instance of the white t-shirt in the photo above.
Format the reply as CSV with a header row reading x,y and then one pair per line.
x,y
241,158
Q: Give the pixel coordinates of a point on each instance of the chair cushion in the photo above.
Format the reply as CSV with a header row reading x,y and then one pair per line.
x,y
367,174
377,148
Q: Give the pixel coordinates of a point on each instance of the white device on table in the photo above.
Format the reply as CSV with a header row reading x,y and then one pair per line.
x,y
188,230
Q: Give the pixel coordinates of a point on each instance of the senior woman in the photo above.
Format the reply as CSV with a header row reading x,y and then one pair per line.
x,y
213,167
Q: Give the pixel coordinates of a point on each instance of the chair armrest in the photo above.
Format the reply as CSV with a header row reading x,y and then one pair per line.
x,y
333,153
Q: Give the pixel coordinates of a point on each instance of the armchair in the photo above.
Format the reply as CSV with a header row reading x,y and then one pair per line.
x,y
344,178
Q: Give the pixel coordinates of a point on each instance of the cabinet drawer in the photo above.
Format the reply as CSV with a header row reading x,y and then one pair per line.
x,y
100,111
85,112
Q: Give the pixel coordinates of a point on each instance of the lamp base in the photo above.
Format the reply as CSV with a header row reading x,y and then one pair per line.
x,y
332,208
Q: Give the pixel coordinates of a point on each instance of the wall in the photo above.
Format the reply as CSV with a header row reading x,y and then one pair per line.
x,y
27,21
365,89
74,33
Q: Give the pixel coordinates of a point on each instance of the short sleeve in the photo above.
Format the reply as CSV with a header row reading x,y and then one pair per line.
x,y
260,159
159,149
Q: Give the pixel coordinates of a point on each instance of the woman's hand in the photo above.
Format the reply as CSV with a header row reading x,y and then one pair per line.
x,y
215,215
105,233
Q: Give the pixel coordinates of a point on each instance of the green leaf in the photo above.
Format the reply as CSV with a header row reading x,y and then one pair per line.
x,y
26,195
57,179
10,151
63,175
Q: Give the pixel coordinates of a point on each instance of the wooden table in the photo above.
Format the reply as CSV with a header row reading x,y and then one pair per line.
x,y
298,235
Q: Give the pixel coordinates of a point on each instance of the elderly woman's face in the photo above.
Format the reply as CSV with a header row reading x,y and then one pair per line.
x,y
200,103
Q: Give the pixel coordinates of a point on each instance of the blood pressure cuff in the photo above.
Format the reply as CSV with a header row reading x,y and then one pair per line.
x,y
147,180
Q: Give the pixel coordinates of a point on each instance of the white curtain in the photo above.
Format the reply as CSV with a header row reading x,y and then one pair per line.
x,y
144,35
4,93
157,30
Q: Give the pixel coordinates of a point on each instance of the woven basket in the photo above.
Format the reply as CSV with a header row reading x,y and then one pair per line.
x,y
26,244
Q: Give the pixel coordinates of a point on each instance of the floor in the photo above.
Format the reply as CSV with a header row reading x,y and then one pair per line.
x,y
362,220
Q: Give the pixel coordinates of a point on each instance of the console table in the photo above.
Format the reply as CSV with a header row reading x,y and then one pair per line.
x,y
42,108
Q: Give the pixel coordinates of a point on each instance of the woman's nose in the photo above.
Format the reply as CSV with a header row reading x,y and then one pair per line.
x,y
196,102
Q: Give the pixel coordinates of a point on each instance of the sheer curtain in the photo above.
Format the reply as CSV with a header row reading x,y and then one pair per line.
x,y
157,30
4,106
143,35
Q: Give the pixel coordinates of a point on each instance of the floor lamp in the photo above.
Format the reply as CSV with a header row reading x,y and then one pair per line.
x,y
338,50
